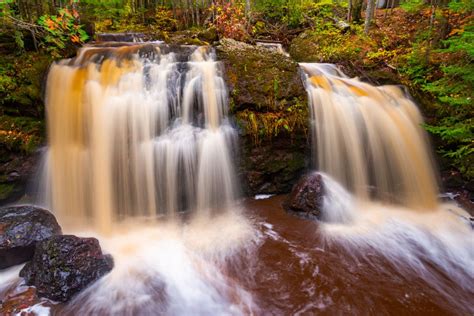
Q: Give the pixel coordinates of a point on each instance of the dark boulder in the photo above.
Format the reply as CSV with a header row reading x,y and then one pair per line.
x,y
64,265
21,228
306,198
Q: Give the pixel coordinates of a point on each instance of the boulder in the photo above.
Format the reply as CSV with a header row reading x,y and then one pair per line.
x,y
306,197
64,265
21,228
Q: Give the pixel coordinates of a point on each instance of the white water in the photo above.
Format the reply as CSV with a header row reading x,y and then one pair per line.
x,y
170,269
412,242
370,139
134,132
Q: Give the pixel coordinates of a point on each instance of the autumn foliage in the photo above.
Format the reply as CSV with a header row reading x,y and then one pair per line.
x,y
230,20
62,30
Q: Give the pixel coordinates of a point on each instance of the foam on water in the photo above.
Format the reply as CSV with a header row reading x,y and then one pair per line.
x,y
412,242
171,269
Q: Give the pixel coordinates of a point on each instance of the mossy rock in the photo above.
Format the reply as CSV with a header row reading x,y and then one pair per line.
x,y
258,78
269,103
329,46
208,35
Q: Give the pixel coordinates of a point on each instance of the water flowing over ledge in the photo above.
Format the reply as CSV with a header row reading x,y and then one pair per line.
x,y
137,131
370,138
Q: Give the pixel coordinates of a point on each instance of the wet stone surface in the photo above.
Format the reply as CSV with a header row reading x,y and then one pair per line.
x,y
21,227
64,265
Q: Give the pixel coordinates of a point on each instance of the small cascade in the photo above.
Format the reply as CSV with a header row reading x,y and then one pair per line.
x,y
120,37
273,46
370,139
138,130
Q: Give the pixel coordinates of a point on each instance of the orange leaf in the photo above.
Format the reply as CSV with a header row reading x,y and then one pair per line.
x,y
75,39
51,24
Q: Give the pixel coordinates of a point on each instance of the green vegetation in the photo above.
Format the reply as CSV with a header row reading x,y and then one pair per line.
x,y
429,49
442,67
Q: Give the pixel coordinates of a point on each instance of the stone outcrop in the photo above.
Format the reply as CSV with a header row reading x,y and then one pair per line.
x,y
269,104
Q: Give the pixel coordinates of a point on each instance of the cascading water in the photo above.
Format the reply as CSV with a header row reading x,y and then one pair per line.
x,y
369,141
135,132
369,138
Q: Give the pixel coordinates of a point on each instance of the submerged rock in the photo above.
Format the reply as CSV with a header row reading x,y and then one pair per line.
x,y
306,198
64,265
21,228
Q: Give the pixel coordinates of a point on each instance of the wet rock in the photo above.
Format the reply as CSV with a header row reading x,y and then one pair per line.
x,y
64,265
269,103
306,198
272,167
21,228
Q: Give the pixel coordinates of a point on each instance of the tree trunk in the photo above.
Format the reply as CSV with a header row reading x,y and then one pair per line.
x,y
368,15
356,13
349,12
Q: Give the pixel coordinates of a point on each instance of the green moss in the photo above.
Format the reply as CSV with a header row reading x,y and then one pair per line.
x,y
6,190
329,46
259,78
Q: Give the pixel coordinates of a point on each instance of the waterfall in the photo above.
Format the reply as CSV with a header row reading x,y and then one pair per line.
x,y
370,138
137,130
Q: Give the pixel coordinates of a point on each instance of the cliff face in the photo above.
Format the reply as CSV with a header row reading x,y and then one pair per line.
x,y
269,104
